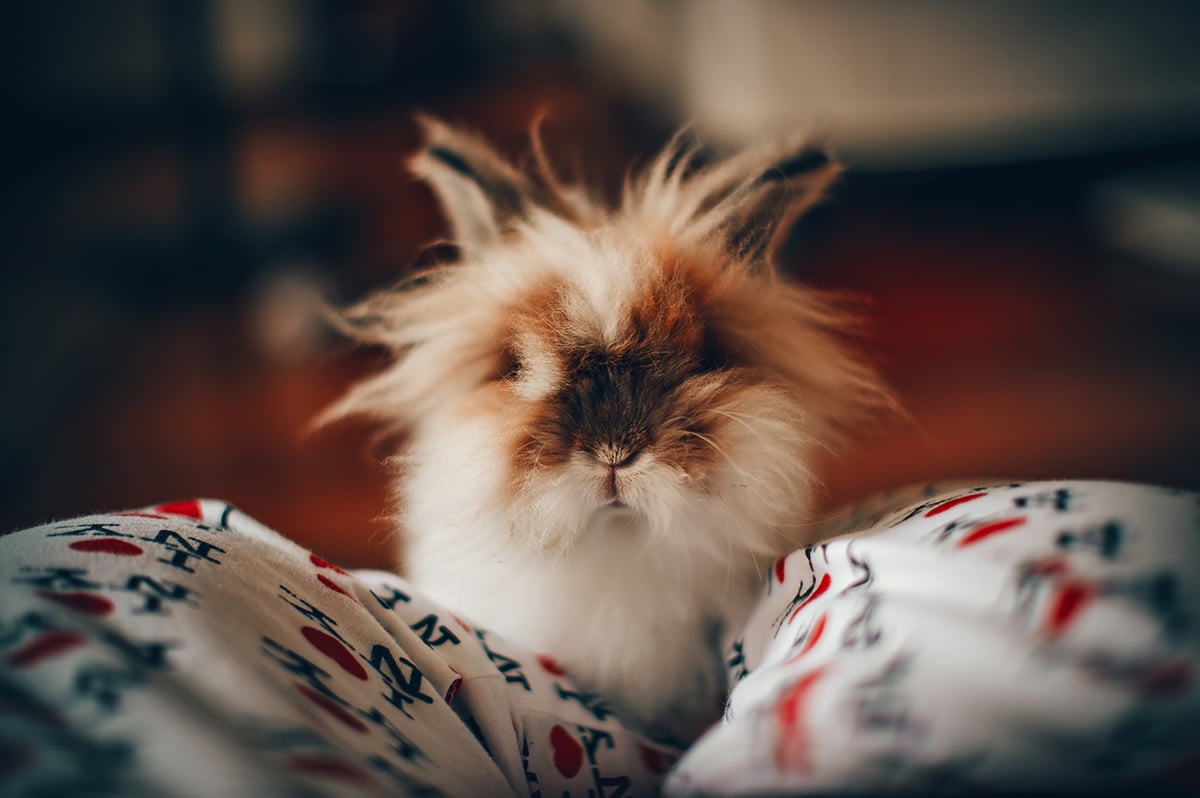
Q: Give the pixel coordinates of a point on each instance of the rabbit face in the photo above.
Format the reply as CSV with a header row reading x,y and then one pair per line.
x,y
644,362
631,397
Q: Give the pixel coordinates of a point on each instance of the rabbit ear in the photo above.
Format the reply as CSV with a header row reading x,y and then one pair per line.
x,y
755,213
749,200
765,210
481,194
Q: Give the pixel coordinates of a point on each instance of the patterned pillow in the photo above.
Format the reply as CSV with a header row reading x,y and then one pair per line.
x,y
1039,635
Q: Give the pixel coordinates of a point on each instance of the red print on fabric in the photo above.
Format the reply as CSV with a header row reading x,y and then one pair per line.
x,y
655,761
332,585
822,588
121,548
814,636
331,647
325,580
330,706
952,503
323,563
1069,600
1049,566
550,665
328,767
988,530
780,569
793,743
87,603
568,753
452,690
190,509
43,647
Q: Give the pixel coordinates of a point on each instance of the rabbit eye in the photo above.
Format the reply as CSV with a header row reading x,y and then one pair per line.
x,y
712,356
509,367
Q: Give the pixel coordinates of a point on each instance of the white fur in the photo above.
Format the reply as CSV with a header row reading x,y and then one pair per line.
x,y
630,601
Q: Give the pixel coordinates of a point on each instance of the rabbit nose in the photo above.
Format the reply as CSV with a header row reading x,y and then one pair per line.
x,y
616,460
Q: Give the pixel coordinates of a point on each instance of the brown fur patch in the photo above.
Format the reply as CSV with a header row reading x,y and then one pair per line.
x,y
655,388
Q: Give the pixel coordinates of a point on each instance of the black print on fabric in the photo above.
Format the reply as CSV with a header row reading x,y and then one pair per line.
x,y
65,764
1063,500
735,663
154,593
860,568
311,613
150,655
34,638
400,744
389,601
29,623
510,668
939,504
964,532
593,703
811,587
1051,596
297,664
916,510
805,641
107,530
613,786
946,503
531,778
864,631
433,632
401,676
1107,540
184,550
404,684
1160,593
940,534
106,685
572,753
880,703
53,578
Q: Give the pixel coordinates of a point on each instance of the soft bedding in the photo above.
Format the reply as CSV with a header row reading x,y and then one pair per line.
x,y
1039,635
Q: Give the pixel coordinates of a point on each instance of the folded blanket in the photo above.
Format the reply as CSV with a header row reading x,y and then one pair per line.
x,y
1040,635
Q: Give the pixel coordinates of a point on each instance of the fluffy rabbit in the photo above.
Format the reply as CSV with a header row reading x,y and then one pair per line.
x,y
610,412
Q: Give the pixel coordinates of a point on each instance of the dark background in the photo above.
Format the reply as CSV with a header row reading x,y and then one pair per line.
x,y
183,181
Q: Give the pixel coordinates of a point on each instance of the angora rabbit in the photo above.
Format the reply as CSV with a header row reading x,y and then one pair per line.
x,y
610,412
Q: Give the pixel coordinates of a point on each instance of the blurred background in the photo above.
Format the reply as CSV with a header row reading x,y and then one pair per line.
x,y
185,182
